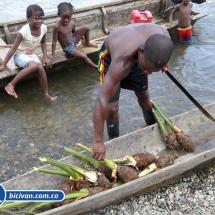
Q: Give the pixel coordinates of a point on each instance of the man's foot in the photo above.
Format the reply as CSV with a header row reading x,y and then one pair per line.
x,y
10,90
51,98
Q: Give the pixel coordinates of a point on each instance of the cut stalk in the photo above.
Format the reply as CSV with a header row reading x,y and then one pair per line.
x,y
13,205
89,175
163,116
151,168
93,162
163,130
170,139
49,171
127,160
61,166
38,206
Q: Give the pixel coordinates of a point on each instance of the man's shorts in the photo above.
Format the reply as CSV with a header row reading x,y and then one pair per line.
x,y
185,34
69,49
22,60
136,80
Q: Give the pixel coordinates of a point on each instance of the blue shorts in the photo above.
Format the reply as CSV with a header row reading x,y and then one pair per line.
x,y
69,49
22,60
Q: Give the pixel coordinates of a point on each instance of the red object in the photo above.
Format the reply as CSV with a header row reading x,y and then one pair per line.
x,y
141,17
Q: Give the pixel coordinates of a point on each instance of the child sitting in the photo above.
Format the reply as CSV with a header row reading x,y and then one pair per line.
x,y
29,37
68,37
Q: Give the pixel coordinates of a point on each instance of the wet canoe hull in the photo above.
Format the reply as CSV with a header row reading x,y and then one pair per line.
x,y
148,139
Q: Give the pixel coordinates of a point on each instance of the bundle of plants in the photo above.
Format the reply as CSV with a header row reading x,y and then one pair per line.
x,y
119,172
185,141
101,167
140,160
79,178
169,138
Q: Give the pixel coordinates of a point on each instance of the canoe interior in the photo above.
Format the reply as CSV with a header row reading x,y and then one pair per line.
x,y
148,139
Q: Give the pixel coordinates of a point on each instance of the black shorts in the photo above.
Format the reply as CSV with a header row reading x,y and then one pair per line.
x,y
136,80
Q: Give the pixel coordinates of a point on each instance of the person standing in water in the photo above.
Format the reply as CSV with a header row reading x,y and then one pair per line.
x,y
68,36
29,37
184,30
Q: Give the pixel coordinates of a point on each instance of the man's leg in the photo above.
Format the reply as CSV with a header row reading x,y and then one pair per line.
x,y
112,120
146,105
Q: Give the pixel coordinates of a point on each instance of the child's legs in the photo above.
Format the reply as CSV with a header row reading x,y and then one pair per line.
x,y
42,79
82,31
28,64
79,54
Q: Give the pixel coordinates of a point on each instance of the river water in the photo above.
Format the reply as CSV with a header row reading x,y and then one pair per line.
x,y
32,127
49,7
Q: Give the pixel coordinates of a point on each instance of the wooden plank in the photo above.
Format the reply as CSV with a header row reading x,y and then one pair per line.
x,y
3,52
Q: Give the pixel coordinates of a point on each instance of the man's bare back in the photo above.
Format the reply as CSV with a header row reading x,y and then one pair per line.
x,y
123,42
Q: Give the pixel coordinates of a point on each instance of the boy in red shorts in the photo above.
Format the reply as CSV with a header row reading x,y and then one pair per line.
x,y
184,31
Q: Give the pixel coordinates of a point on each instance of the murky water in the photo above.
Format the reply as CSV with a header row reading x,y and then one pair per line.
x,y
49,7
32,127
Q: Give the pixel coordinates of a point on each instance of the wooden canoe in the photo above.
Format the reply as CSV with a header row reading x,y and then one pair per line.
x,y
101,19
148,139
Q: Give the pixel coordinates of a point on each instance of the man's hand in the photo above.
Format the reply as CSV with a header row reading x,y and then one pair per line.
x,y
2,68
99,151
47,62
165,69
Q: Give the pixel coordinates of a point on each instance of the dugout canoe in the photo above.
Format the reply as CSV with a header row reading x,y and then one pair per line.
x,y
148,139
101,19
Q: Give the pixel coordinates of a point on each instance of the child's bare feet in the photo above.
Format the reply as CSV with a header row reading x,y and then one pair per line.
x,y
91,44
51,98
10,90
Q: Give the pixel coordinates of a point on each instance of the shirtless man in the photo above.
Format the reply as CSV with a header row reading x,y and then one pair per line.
x,y
184,31
68,37
127,56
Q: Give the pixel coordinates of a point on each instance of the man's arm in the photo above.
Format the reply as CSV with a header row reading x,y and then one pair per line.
x,y
117,71
12,50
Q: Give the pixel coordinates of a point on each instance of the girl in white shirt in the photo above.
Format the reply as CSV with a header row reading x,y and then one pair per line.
x,y
28,38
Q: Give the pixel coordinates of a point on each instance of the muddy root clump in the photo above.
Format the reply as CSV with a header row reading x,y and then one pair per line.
x,y
165,160
171,141
144,159
185,142
126,173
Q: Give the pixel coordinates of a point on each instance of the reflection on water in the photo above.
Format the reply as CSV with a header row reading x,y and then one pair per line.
x,y
32,127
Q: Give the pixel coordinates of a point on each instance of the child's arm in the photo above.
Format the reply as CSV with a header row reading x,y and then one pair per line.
x,y
46,60
171,16
54,41
12,50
